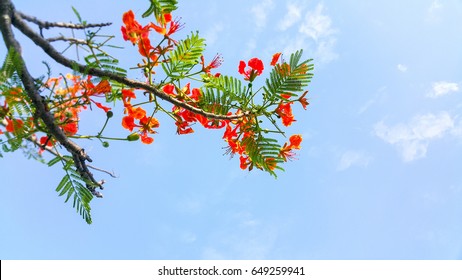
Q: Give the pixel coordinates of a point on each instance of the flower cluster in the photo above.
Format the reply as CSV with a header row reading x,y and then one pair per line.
x,y
64,102
145,125
134,32
238,134
78,95
185,118
243,135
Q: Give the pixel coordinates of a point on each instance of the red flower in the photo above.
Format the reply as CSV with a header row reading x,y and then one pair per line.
x,y
230,133
174,27
303,100
146,139
135,112
100,89
167,17
285,112
183,127
254,69
244,162
70,128
147,125
45,142
275,59
99,105
196,94
215,63
14,126
126,93
144,48
294,143
132,30
162,28
128,122
103,87
168,89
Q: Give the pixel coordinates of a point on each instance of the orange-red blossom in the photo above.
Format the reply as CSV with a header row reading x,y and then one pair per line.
x,y
237,136
184,117
146,124
252,69
286,151
138,34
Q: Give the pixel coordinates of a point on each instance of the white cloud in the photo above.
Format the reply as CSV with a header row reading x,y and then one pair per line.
x,y
213,33
381,94
251,45
457,130
433,12
413,138
260,12
435,5
212,254
402,68
316,25
325,51
353,158
315,32
188,237
442,88
292,16
249,238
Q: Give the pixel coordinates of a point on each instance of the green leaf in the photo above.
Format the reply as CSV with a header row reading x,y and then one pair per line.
x,y
54,161
105,62
66,188
77,14
11,65
288,78
69,194
151,10
221,94
263,151
185,56
159,7
74,185
61,184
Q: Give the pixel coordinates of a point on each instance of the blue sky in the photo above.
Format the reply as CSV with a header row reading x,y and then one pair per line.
x,y
378,176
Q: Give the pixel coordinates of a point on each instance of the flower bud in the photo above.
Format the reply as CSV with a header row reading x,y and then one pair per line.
x,y
109,114
105,144
133,137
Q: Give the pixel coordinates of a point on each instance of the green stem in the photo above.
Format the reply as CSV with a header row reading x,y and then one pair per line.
x,y
104,126
98,137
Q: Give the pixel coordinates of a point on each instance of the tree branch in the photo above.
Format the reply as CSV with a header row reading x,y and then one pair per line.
x,y
66,39
19,23
47,24
7,13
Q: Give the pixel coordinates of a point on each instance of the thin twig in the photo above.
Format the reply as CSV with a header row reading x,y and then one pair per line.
x,y
47,24
68,39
